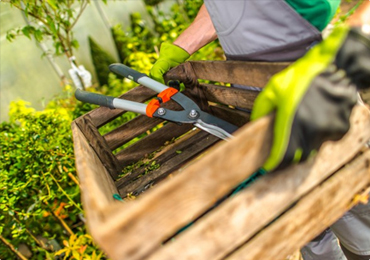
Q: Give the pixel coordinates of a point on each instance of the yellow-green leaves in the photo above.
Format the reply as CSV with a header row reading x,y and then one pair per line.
x,y
53,4
51,18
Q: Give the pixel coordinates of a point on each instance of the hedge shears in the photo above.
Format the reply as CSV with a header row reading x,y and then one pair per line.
x,y
191,112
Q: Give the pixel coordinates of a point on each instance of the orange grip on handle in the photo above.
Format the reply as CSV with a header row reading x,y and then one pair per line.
x,y
166,94
152,106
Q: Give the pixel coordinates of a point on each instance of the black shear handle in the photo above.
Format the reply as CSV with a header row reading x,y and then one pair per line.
x,y
93,98
126,71
137,76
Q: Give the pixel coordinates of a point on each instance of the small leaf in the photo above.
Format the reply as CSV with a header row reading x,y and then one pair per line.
x,y
82,249
38,35
26,31
10,36
26,10
53,29
62,251
53,4
76,254
75,44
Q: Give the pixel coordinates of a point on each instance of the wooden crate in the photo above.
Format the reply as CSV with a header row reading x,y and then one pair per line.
x,y
276,215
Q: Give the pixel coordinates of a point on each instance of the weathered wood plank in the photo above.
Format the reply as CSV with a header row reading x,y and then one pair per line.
x,y
96,183
254,74
172,204
326,203
189,149
234,116
150,143
130,130
183,73
161,155
99,145
103,115
234,222
236,97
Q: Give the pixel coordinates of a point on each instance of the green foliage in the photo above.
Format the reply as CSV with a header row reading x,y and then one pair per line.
x,y
191,8
50,19
153,2
37,176
137,38
138,45
40,196
80,247
101,60
168,26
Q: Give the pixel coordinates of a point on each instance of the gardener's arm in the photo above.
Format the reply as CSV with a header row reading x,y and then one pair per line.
x,y
198,34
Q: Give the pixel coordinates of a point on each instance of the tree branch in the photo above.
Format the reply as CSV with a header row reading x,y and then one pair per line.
x,y
11,247
83,6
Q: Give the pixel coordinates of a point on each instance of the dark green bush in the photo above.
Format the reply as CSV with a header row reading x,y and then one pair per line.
x,y
101,60
40,198
153,2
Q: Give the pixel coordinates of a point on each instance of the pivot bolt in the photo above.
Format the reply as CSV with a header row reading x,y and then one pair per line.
x,y
193,113
161,111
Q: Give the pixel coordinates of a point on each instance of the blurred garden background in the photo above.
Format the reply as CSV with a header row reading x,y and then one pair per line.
x,y
41,216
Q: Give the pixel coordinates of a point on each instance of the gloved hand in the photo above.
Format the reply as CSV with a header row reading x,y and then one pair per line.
x,y
170,56
313,97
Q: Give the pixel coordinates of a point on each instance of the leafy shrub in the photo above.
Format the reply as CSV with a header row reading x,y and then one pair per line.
x,y
138,37
138,46
40,197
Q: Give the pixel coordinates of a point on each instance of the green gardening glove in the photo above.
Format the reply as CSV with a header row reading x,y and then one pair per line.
x,y
313,97
170,56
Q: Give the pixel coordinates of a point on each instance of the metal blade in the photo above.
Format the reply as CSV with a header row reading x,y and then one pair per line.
x,y
213,130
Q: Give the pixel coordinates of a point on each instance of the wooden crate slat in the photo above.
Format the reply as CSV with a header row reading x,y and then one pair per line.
x,y
236,221
191,148
150,143
160,212
103,115
95,180
298,226
234,116
230,96
130,130
99,145
255,74
164,153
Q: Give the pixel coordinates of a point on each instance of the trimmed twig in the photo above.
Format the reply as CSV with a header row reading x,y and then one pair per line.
x,y
12,248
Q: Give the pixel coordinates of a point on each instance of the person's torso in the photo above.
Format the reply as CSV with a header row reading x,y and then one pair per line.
x,y
317,12
268,30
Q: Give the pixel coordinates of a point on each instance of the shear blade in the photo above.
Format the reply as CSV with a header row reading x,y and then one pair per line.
x,y
213,130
